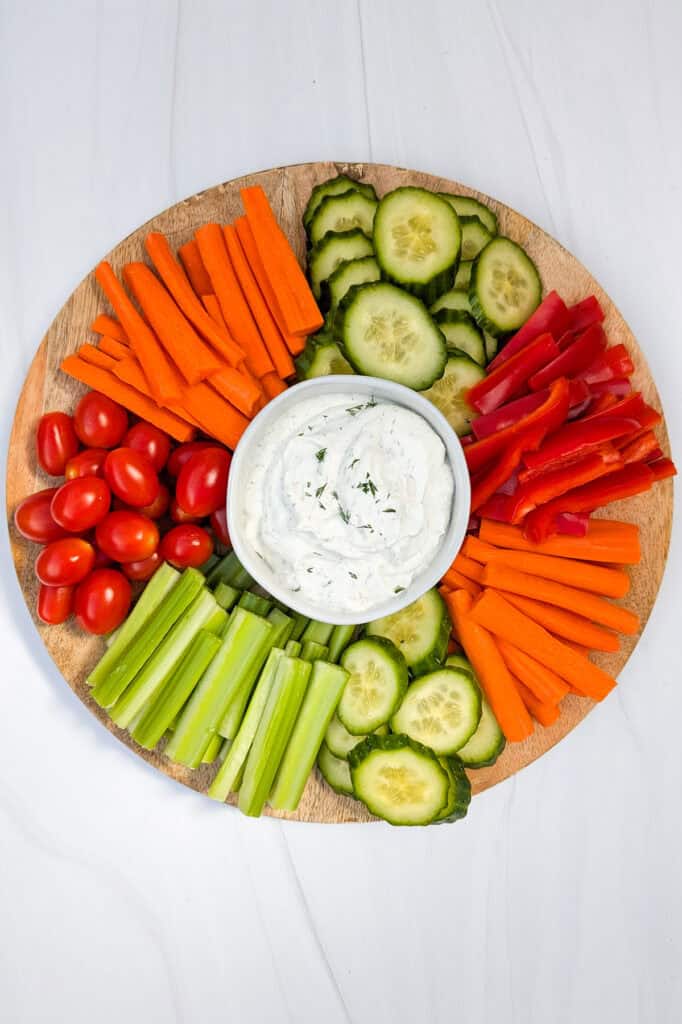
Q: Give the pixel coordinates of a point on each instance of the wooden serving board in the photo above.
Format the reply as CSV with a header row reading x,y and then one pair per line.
x,y
288,189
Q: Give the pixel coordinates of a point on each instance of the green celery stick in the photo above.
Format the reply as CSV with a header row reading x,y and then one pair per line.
x,y
241,579
122,669
160,666
244,645
272,735
225,746
320,632
300,623
339,640
217,623
313,651
213,750
254,603
223,784
319,704
293,649
163,580
226,596
161,712
223,571
209,564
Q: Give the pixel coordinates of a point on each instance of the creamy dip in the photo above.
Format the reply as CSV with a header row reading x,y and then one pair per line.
x,y
347,499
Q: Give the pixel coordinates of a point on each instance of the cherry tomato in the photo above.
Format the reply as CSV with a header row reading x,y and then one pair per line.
x,y
54,604
99,422
131,477
202,483
186,545
184,452
102,601
178,515
33,518
159,505
143,569
219,526
65,562
102,561
89,462
148,440
56,442
81,504
127,536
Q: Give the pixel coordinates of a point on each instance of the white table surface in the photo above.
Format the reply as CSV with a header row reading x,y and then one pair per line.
x,y
123,896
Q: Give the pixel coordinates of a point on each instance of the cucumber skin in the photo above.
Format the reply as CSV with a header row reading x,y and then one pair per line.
x,y
476,308
460,662
337,789
459,801
394,741
397,658
434,660
331,236
415,683
320,210
353,186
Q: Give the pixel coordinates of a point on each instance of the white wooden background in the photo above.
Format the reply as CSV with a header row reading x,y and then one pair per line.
x,y
126,898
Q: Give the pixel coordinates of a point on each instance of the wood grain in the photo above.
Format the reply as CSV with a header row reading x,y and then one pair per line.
x,y
288,189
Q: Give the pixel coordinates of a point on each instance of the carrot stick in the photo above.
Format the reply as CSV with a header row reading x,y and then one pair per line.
x,y
238,389
294,296
130,372
454,580
177,283
580,601
597,578
232,302
212,307
544,713
191,355
218,418
490,669
565,624
467,567
113,347
578,648
163,380
279,353
545,684
598,545
294,342
137,403
105,324
273,385
194,268
493,612
91,354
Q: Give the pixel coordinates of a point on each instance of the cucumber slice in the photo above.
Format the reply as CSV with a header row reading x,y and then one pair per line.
x,y
463,275
491,346
449,394
335,771
420,632
341,742
417,238
459,793
505,287
321,360
335,187
399,780
334,249
377,683
456,298
467,206
441,710
342,213
388,333
488,742
351,272
461,333
460,662
475,236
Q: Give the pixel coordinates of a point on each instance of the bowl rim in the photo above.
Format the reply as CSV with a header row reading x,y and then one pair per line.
x,y
387,390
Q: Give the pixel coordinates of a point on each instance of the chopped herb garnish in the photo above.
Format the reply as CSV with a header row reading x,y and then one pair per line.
x,y
388,510
319,455
397,590
335,495
353,410
309,569
367,486
367,526
353,575
344,514
320,491
354,463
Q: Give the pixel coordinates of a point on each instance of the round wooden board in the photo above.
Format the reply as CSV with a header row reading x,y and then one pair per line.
x,y
288,189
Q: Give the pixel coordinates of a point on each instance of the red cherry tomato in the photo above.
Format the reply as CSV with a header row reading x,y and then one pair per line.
x,y
102,561
151,442
99,422
143,569
178,515
186,545
219,526
54,604
33,518
127,536
131,477
202,483
56,442
159,506
89,462
102,601
81,504
65,562
184,452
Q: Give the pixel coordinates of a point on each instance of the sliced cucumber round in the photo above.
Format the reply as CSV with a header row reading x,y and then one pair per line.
x,y
335,187
441,710
459,793
449,394
322,360
349,273
467,206
342,213
463,275
456,298
388,333
488,742
341,742
335,771
459,661
333,249
462,333
375,688
417,238
505,287
475,236
420,631
491,346
399,780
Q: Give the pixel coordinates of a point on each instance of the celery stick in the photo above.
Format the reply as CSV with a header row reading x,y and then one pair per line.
x,y
226,596
149,600
212,750
119,670
300,623
244,645
272,735
235,758
319,704
254,603
312,651
225,746
320,632
223,571
161,712
158,669
293,649
339,640
241,579
209,564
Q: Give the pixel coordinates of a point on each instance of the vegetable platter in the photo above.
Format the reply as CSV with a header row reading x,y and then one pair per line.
x,y
289,190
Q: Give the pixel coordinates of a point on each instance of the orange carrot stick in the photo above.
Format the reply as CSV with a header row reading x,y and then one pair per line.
x,y
232,302
566,625
467,567
545,684
238,389
454,580
91,354
194,268
212,307
273,385
177,283
130,372
137,403
113,347
619,542
597,578
544,713
592,607
218,418
493,612
105,324
490,669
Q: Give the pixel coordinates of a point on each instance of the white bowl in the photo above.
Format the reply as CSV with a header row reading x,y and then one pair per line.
x,y
382,389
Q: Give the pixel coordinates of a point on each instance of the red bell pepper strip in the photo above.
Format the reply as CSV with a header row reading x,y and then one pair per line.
x,y
507,415
602,402
558,481
566,339
573,524
499,508
613,363
661,468
632,407
640,448
550,415
579,398
577,357
549,318
512,377
585,313
619,387
653,456
578,438
608,452
487,482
